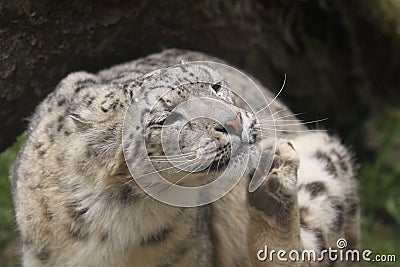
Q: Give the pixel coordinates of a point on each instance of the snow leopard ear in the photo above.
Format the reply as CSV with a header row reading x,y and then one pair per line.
x,y
97,105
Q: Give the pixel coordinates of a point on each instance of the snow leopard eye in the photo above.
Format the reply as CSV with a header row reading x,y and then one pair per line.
x,y
216,87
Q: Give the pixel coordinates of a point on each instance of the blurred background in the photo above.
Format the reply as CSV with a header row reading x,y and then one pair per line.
x,y
342,60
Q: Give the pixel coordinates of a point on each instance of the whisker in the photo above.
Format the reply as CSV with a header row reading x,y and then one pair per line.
x,y
177,155
282,117
276,112
208,171
301,123
291,115
218,163
185,176
265,134
171,156
180,170
168,160
279,111
183,159
273,136
182,178
293,131
275,120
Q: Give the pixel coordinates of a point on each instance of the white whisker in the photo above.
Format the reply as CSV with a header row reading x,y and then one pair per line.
x,y
279,111
168,160
185,176
300,123
218,163
293,131
174,156
268,119
291,115
271,117
188,167
208,170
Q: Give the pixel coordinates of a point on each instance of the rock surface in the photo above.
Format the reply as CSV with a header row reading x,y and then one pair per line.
x,y
341,58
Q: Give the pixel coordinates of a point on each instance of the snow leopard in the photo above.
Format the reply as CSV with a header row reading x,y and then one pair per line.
x,y
78,203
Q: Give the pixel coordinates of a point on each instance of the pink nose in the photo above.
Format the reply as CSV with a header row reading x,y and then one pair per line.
x,y
236,125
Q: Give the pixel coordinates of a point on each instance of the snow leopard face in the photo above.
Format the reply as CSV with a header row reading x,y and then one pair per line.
x,y
192,123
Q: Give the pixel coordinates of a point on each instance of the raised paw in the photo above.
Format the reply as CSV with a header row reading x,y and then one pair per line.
x,y
285,165
277,193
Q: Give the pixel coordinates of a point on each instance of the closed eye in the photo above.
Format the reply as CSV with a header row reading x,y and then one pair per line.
x,y
172,118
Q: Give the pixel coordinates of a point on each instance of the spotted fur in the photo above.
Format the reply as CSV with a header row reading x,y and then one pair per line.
x,y
76,203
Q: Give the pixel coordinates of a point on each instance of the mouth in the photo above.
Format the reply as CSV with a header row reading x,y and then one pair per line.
x,y
220,163
238,149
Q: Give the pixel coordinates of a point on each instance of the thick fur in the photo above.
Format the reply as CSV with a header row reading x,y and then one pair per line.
x,y
76,203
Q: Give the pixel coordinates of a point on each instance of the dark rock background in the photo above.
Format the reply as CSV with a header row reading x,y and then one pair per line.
x,y
342,58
